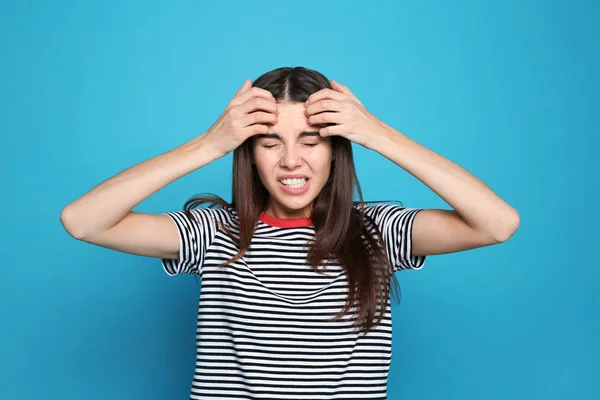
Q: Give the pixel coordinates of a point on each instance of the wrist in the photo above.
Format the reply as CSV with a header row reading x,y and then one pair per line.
x,y
202,145
198,151
385,137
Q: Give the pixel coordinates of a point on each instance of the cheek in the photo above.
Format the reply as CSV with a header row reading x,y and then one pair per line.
x,y
260,168
264,163
321,163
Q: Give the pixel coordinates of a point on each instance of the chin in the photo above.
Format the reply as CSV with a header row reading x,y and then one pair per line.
x,y
296,203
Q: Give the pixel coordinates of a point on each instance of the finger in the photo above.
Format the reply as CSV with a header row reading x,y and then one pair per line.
x,y
335,85
343,89
260,117
323,105
250,93
332,130
256,129
324,94
324,118
247,85
259,104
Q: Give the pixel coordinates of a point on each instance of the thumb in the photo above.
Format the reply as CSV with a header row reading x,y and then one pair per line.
x,y
335,85
245,87
344,89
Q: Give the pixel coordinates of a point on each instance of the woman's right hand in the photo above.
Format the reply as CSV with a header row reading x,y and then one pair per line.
x,y
249,113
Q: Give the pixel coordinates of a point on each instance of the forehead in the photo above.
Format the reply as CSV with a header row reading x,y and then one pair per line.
x,y
292,121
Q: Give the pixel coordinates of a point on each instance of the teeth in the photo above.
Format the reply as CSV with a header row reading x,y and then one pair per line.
x,y
294,183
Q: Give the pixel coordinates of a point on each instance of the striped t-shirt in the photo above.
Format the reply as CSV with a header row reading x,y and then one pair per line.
x,y
264,329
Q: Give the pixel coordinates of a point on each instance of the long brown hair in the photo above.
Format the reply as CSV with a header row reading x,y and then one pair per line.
x,y
342,231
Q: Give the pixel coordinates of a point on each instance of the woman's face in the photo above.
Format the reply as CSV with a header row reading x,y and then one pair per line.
x,y
293,162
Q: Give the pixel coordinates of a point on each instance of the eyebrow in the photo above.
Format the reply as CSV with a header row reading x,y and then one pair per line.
x,y
276,136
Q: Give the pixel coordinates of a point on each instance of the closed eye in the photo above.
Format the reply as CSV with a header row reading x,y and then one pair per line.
x,y
273,145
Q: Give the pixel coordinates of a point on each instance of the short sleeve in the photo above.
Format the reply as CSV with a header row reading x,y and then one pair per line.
x,y
395,223
194,239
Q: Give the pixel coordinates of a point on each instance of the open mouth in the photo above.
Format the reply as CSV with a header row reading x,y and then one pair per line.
x,y
296,183
296,186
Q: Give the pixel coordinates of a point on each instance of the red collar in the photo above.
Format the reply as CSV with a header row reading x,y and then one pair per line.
x,y
284,222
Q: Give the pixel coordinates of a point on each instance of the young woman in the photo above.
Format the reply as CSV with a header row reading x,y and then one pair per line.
x,y
296,275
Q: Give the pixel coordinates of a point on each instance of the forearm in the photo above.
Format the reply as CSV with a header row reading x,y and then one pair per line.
x,y
472,199
108,203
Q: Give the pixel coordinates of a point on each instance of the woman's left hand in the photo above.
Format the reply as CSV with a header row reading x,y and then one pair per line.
x,y
340,107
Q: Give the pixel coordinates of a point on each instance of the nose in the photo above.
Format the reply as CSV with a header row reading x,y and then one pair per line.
x,y
291,158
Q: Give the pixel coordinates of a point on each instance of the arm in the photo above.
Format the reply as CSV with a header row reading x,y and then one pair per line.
x,y
479,218
103,216
108,203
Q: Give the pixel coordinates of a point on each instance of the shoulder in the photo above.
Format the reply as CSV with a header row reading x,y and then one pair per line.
x,y
225,215
384,215
380,210
206,217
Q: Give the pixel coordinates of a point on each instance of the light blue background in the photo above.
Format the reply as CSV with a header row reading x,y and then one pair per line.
x,y
506,89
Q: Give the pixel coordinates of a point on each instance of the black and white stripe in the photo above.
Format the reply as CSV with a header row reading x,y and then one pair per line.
x,y
395,222
263,322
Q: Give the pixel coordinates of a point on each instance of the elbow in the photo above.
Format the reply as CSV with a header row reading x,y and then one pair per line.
x,y
67,219
511,224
